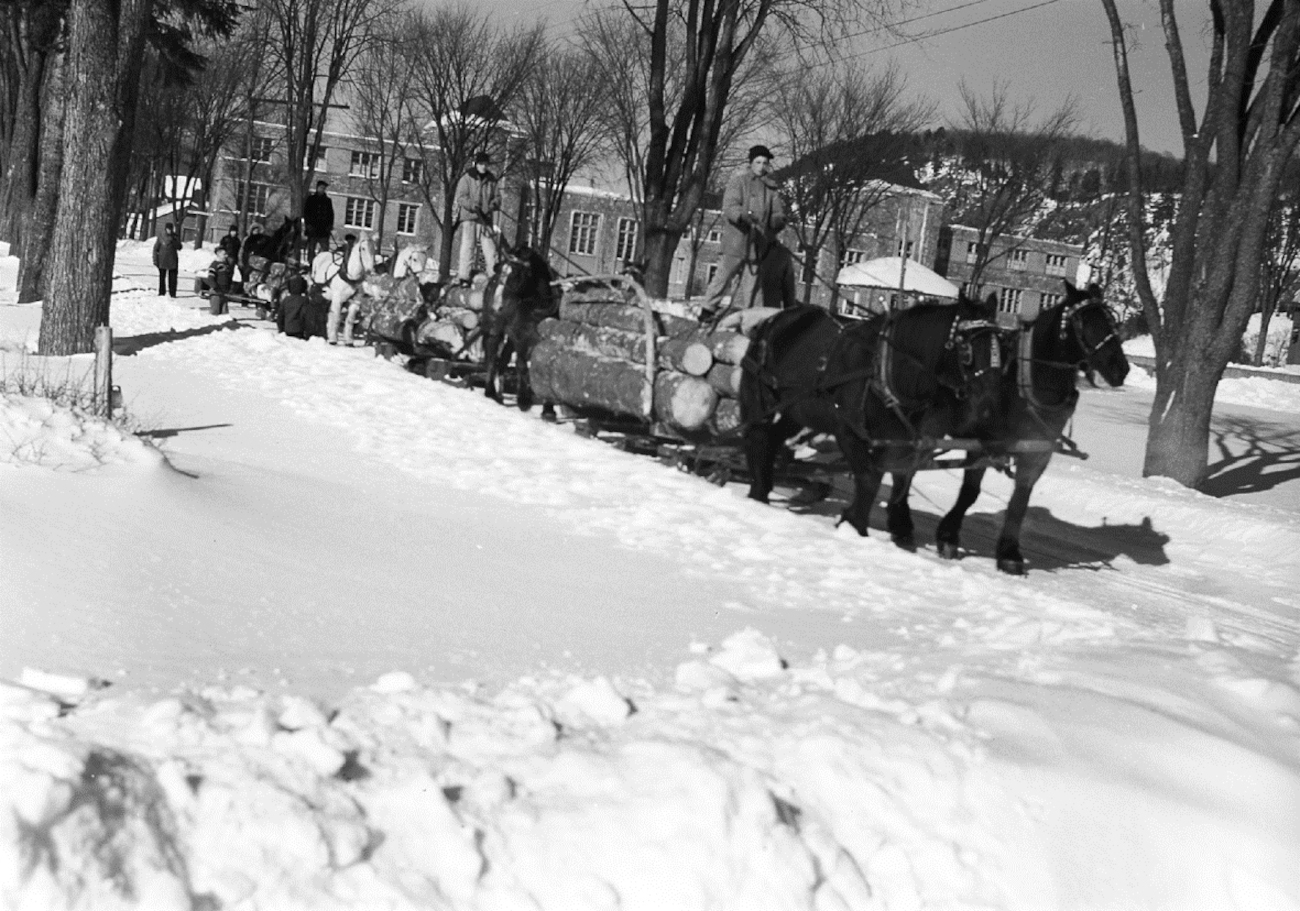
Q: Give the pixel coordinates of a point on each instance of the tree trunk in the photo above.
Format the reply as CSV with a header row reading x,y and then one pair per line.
x,y
1178,441
660,248
18,183
105,46
39,227
1265,317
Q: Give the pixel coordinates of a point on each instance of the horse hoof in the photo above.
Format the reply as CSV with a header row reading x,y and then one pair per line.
x,y
549,416
1012,567
906,542
948,550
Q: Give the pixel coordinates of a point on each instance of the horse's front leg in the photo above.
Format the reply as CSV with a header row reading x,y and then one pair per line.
x,y
494,352
523,382
336,315
866,479
354,307
1029,468
762,442
948,535
899,511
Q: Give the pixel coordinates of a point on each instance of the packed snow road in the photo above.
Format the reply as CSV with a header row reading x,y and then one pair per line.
x,y
402,647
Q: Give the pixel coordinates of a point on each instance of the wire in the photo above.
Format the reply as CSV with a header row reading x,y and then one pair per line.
x,y
947,31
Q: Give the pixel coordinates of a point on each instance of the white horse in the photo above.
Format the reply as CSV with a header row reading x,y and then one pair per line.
x,y
341,276
413,260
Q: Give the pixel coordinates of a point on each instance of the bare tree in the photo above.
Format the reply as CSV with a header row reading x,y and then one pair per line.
x,y
31,36
467,72
686,60
1008,163
381,83
1235,156
1280,276
559,113
845,130
313,43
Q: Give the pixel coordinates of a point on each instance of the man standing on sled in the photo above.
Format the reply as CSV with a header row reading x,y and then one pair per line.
x,y
753,216
477,202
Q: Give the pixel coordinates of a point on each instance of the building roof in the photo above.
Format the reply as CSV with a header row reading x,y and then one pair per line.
x,y
887,271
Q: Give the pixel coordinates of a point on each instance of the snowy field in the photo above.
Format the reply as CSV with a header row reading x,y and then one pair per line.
x,y
329,635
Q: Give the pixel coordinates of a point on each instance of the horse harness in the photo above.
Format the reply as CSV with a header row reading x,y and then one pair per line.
x,y
880,376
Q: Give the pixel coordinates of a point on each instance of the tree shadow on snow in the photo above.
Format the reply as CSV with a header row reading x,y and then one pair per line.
x,y
1048,543
134,344
1271,457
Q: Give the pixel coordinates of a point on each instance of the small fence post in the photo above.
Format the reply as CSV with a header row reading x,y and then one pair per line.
x,y
104,371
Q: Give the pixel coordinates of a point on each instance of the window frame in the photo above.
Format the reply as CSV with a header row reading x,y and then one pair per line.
x,y
586,234
348,211
414,209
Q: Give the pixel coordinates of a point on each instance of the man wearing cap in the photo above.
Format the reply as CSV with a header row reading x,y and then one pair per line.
x,y
752,216
477,202
318,220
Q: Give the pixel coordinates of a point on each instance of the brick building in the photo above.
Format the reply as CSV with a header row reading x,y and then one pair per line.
x,y
1027,274
597,231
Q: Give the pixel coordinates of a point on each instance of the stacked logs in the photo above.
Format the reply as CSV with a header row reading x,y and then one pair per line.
x,y
594,357
452,318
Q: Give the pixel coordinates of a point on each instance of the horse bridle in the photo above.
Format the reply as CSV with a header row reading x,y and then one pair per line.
x,y
1070,320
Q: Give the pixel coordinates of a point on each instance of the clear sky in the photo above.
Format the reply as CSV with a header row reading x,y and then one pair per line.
x,y
1043,49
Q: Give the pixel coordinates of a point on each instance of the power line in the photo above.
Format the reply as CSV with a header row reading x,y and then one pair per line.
x,y
947,31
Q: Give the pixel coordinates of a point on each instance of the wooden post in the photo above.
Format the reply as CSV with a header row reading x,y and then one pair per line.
x,y
104,371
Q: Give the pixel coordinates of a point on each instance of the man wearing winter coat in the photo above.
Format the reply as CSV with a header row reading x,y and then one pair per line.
x,y
166,257
318,220
231,244
753,216
477,201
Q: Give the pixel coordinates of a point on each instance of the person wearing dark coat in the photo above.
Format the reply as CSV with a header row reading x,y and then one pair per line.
x,y
753,216
219,280
318,220
293,317
231,244
166,258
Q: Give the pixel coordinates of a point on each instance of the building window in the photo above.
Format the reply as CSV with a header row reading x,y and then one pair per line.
x,y
406,213
1009,300
412,170
319,165
359,213
1018,259
714,236
972,252
261,148
899,249
252,198
583,228
625,249
1050,300
710,273
850,256
1055,263
364,164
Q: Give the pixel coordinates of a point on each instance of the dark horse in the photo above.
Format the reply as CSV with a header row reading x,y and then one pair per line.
x,y
888,388
1044,359
517,298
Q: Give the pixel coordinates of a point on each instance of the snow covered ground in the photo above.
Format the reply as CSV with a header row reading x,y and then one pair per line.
x,y
345,638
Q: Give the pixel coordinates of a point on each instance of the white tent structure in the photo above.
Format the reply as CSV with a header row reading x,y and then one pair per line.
x,y
869,286
888,272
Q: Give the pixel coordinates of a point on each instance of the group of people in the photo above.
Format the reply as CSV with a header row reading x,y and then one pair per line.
x,y
752,212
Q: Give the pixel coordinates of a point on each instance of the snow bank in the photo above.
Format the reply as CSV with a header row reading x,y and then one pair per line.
x,y
36,432
748,784
1123,732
